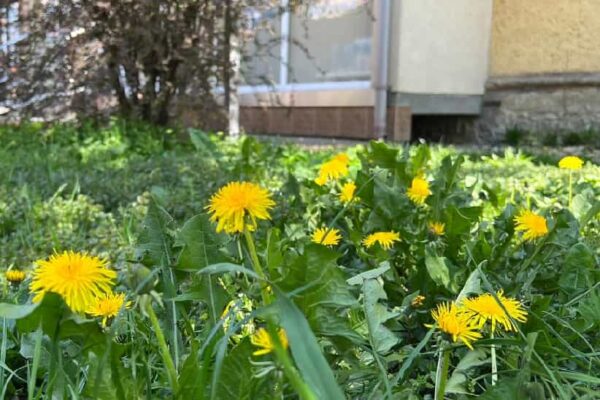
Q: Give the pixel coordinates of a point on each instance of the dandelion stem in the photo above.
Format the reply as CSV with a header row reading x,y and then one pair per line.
x,y
441,376
257,267
494,362
570,187
37,353
164,349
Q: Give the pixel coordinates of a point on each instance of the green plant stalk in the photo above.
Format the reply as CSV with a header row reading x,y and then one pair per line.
x,y
380,365
494,362
257,267
168,279
570,188
37,355
488,286
282,355
290,371
441,375
164,349
56,355
3,350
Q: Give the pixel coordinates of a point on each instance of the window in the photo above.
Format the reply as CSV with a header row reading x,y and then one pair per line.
x,y
331,41
323,43
261,55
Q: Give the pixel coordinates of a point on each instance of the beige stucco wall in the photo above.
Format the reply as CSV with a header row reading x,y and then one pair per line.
x,y
440,47
542,36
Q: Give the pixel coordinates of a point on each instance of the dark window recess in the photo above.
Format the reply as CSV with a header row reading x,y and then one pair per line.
x,y
444,128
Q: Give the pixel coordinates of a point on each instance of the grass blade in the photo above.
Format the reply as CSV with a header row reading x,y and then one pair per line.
x,y
306,351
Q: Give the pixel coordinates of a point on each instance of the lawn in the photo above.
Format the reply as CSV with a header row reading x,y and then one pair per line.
x,y
367,272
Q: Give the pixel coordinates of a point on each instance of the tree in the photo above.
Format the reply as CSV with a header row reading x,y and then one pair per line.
x,y
140,57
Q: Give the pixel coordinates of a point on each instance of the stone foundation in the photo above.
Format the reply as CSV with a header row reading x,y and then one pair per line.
x,y
540,104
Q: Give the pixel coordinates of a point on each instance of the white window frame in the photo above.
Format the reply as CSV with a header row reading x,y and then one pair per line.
x,y
284,85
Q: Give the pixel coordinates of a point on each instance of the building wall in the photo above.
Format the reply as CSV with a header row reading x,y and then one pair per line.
x,y
544,68
440,47
337,122
545,36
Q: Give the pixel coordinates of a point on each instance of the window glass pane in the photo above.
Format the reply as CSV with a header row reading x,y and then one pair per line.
x,y
331,41
261,47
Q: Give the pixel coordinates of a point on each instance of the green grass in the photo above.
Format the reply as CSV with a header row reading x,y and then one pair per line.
x,y
136,195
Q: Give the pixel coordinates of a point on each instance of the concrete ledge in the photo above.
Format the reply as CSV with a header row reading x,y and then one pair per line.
x,y
312,98
437,104
541,81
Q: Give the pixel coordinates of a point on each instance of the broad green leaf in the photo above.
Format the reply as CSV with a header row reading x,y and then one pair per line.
x,y
386,199
512,388
382,155
203,144
100,385
577,268
566,228
190,387
307,353
273,254
460,220
438,270
505,389
85,332
377,314
589,308
48,313
590,214
154,241
209,291
318,284
580,206
365,187
223,268
420,158
370,274
16,311
201,245
236,381
471,286
472,359
444,184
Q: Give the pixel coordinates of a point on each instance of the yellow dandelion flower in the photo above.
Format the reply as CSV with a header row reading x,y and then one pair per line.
x,y
531,224
238,205
452,320
321,180
262,339
347,193
334,169
15,276
485,308
342,157
418,191
570,162
108,306
385,239
417,301
77,277
326,236
437,228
